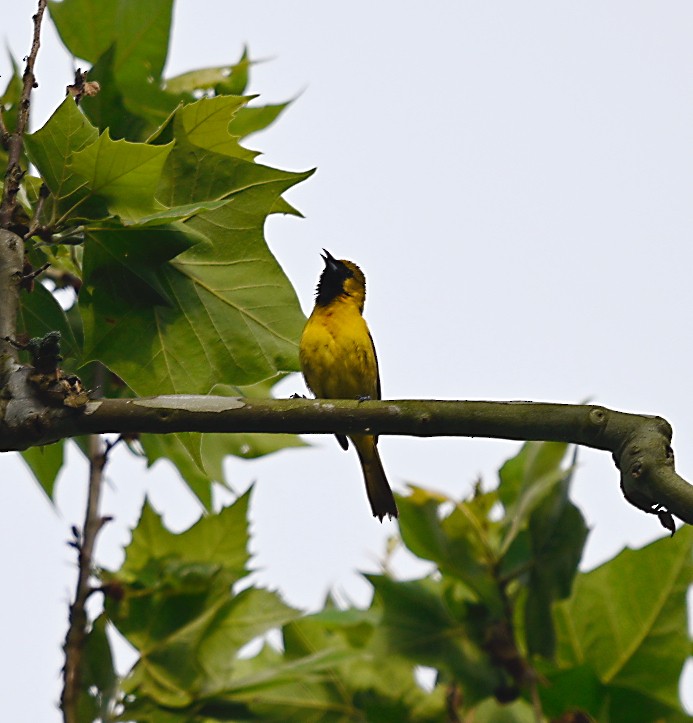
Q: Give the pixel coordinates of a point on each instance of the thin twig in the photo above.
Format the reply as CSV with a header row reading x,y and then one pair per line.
x,y
536,700
78,628
36,272
453,700
14,173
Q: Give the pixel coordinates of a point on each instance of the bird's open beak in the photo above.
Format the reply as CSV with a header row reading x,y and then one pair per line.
x,y
329,259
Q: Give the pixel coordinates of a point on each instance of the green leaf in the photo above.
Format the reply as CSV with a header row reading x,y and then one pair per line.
x,y
109,108
175,604
232,315
51,150
461,544
380,683
627,620
222,311
9,100
253,119
237,81
139,31
558,533
177,213
281,205
196,80
45,464
526,480
87,29
198,658
130,109
121,275
40,313
119,175
555,559
273,689
99,678
171,593
421,625
534,461
171,448
220,539
248,615
207,163
490,711
206,124
224,79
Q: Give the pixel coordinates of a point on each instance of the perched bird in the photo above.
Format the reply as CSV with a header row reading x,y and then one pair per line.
x,y
339,362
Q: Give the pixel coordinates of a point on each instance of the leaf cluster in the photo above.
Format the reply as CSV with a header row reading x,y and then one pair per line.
x,y
213,647
150,211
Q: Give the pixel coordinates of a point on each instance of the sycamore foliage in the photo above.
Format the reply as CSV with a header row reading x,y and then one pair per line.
x,y
147,201
503,594
155,212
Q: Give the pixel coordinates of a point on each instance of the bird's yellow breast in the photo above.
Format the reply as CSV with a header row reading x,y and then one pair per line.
x,y
336,353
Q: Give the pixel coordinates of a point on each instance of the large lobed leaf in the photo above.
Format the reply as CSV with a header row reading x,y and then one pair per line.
x,y
139,32
51,150
205,298
222,311
543,535
624,629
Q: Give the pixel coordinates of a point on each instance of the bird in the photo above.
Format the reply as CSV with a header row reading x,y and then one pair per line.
x,y
338,361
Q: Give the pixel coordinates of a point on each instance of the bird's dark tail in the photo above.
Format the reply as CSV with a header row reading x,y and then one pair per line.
x,y
377,487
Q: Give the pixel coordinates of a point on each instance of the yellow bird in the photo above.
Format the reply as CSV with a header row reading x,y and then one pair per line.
x,y
339,362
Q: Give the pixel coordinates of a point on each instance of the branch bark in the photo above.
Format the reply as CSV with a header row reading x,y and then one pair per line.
x,y
11,265
78,628
11,245
640,444
14,173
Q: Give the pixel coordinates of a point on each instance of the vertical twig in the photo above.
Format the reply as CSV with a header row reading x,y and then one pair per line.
x,y
453,700
78,627
15,141
11,245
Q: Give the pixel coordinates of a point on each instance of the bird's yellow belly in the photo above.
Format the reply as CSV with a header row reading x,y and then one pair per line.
x,y
337,357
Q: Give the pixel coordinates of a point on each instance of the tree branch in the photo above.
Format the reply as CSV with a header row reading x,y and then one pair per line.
x,y
14,173
11,245
11,265
640,444
78,628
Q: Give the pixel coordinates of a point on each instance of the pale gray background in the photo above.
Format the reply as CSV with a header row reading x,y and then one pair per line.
x,y
515,179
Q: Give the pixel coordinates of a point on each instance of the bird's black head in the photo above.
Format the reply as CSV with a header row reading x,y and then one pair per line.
x,y
332,279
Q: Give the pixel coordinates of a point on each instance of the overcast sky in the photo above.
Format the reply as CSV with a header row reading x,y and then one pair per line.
x,y
515,179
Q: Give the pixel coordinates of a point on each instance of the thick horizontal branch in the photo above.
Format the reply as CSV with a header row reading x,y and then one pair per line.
x,y
640,444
